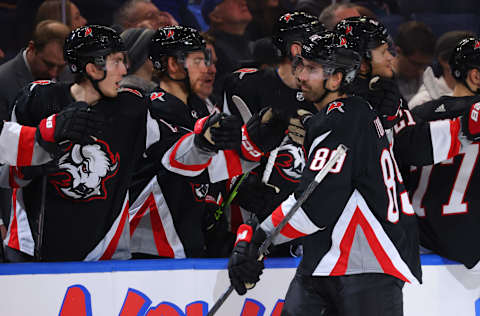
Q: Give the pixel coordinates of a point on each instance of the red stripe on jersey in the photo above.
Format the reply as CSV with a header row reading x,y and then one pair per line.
x,y
455,142
287,231
159,236
180,165
112,246
234,167
13,240
346,245
25,146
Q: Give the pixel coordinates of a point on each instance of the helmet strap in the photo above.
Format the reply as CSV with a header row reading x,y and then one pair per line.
x,y
95,83
465,83
324,95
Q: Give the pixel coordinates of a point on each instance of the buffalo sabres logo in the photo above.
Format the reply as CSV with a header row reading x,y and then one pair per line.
x,y
242,72
84,169
477,45
335,105
343,42
88,32
290,162
300,96
157,95
170,33
287,17
199,191
348,30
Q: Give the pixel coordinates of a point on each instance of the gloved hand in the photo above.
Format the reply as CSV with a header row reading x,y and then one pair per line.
x,y
263,132
218,131
243,265
76,123
254,196
386,99
471,123
297,126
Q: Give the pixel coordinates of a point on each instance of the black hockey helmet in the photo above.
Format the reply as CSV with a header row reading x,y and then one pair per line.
x,y
174,41
91,44
335,53
294,27
363,33
465,56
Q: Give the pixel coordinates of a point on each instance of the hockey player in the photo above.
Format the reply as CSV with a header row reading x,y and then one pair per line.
x,y
83,201
25,145
444,195
179,56
360,239
278,176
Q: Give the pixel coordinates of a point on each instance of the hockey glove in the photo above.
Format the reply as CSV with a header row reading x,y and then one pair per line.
x,y
243,265
218,131
76,123
297,126
263,132
386,99
254,196
471,123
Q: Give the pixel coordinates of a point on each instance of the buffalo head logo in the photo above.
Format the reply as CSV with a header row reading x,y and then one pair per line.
x,y
290,162
85,169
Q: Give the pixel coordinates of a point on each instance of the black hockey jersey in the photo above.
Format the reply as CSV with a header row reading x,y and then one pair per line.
x,y
85,193
359,218
445,195
259,89
169,209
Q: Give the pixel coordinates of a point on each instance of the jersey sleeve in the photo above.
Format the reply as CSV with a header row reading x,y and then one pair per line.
x,y
242,83
419,142
18,146
326,203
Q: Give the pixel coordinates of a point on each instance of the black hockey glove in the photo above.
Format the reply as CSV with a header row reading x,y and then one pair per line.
x,y
297,126
471,123
76,123
244,266
254,196
386,99
263,132
218,131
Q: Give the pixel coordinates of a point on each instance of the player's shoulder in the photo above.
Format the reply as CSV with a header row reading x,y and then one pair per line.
x,y
130,92
349,108
243,77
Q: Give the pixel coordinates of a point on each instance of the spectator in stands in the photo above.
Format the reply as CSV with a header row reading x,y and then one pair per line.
x,y
415,49
142,13
313,7
336,12
179,10
264,13
42,59
437,79
140,70
228,20
264,54
52,10
99,12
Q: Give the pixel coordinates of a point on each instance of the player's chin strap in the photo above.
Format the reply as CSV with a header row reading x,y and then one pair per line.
x,y
475,92
96,82
327,91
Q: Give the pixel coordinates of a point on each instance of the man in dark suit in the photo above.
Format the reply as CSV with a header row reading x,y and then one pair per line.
x,y
41,60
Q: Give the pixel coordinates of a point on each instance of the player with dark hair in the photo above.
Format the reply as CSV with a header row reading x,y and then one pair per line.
x,y
279,175
359,235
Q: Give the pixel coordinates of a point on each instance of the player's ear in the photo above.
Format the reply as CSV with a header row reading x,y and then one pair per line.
x,y
295,49
364,67
93,71
172,65
335,80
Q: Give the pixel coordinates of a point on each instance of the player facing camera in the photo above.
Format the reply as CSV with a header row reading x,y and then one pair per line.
x,y
180,54
327,65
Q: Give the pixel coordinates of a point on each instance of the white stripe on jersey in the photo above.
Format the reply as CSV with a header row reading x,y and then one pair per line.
x,y
444,139
317,141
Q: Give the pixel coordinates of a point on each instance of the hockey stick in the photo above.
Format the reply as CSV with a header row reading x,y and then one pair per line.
x,y
242,108
340,151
